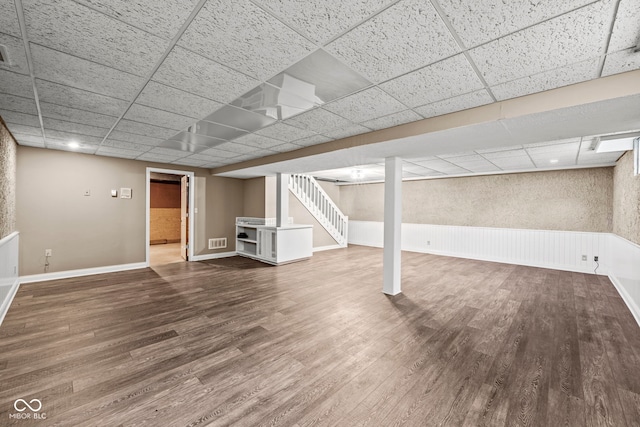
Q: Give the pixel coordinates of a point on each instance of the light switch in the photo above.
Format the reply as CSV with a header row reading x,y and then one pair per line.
x,y
114,193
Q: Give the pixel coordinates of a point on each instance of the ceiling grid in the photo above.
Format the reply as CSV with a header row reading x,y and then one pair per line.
x,y
150,81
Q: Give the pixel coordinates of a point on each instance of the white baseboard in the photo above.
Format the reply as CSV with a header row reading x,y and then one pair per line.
x,y
81,272
327,248
4,308
213,256
631,304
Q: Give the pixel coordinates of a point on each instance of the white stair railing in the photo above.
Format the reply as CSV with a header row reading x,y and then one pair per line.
x,y
318,202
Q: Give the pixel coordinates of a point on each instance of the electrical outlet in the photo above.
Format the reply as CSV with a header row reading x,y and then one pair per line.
x,y
48,252
595,258
584,257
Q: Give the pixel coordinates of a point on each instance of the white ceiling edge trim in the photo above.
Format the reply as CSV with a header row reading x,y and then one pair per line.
x,y
475,174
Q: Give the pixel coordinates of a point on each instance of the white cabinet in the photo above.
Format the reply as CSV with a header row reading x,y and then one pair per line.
x,y
273,245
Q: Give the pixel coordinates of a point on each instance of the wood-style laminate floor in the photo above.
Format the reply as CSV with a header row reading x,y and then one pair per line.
x,y
316,343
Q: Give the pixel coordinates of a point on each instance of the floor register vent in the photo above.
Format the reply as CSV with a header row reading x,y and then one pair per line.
x,y
218,243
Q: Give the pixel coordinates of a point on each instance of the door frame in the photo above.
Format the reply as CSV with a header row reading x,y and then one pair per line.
x,y
191,189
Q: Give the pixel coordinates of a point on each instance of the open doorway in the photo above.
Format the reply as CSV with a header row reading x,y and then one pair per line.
x,y
169,236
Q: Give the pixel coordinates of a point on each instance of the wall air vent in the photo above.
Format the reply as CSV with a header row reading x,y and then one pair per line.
x,y
218,243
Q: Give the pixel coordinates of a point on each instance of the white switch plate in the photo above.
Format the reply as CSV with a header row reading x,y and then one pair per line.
x,y
87,192
114,193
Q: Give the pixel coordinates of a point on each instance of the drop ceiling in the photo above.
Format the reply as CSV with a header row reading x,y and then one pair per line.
x,y
213,83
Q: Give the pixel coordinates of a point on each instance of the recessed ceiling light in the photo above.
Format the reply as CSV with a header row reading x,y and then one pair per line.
x,y
553,161
73,144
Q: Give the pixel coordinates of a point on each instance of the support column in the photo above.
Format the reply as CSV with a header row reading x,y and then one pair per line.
x,y
282,199
392,225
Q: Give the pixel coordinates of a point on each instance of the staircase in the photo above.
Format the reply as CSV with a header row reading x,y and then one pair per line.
x,y
316,200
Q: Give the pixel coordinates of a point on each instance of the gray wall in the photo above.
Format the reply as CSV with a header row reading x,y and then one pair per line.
x,y
626,200
8,148
571,200
98,230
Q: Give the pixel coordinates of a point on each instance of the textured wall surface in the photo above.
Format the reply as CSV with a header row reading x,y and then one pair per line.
x,y
570,200
626,200
7,182
98,230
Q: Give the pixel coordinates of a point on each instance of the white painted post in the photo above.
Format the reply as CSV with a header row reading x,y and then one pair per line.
x,y
392,225
282,199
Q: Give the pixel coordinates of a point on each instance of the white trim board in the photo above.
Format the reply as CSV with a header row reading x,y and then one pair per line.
x,y
192,205
213,256
4,306
624,272
81,272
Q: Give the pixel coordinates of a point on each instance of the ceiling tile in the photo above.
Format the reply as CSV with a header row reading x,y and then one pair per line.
x,y
50,124
555,149
625,29
479,21
154,116
347,131
159,158
239,148
393,42
620,62
80,99
220,154
24,129
188,161
507,153
176,101
62,137
136,146
568,39
16,84
311,140
442,166
500,149
285,132
29,140
18,104
574,73
15,52
82,74
457,103
459,154
77,116
144,129
199,75
445,79
9,19
318,120
322,20
117,152
550,143
588,156
255,140
182,146
244,37
78,30
287,146
392,120
196,139
133,138
366,105
19,118
160,18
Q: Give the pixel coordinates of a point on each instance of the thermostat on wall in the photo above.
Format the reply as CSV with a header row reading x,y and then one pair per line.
x,y
125,193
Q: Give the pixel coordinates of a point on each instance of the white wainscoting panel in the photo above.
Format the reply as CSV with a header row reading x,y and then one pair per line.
x,y
560,250
9,282
624,272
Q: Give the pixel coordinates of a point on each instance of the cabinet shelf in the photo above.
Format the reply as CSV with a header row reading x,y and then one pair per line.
x,y
247,240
